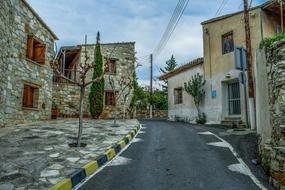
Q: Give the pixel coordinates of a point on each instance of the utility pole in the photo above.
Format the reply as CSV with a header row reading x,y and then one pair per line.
x,y
281,15
249,50
151,68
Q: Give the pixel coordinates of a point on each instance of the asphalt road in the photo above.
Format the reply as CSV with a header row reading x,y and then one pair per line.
x,y
172,156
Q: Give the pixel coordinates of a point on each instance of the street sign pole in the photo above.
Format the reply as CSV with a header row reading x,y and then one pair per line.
x,y
241,64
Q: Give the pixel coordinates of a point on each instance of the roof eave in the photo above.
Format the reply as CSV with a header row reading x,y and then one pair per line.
x,y
40,19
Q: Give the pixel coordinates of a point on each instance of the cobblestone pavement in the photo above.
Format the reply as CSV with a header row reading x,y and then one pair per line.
x,y
37,155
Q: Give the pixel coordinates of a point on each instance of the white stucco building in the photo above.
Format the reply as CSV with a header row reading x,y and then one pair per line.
x,y
180,104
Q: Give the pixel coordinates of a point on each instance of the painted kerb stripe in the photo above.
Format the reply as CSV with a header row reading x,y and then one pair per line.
x,y
77,177
63,185
110,153
91,167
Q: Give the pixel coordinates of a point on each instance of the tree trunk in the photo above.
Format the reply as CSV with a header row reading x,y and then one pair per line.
x,y
124,110
82,92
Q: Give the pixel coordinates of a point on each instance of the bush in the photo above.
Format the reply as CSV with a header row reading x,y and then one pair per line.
x,y
201,118
267,42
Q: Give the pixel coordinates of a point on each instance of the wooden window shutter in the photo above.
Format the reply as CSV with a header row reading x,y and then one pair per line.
x,y
113,101
107,66
114,67
28,96
39,54
30,42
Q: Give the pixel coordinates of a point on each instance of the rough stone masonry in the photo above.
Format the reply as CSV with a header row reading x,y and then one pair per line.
x,y
276,85
18,22
66,95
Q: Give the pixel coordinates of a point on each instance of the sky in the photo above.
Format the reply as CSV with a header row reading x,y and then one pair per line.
x,y
140,21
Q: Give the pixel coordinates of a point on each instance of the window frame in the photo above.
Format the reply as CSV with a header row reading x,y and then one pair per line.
x,y
114,66
231,33
178,99
107,100
34,100
35,50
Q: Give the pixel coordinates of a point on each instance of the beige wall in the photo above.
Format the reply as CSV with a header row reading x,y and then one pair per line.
x,y
186,110
219,68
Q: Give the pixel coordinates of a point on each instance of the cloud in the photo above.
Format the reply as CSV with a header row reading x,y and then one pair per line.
x,y
142,21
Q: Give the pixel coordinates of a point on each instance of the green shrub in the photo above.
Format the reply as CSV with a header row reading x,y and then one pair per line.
x,y
201,118
267,42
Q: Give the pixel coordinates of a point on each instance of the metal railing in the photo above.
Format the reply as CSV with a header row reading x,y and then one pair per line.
x,y
71,74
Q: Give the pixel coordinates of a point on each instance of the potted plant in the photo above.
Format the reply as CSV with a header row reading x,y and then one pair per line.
x,y
54,110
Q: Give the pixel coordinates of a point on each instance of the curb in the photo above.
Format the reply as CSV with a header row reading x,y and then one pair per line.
x,y
87,170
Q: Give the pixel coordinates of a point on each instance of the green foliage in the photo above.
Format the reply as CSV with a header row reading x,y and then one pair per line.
x,y
139,98
201,118
170,65
159,100
96,95
267,42
195,88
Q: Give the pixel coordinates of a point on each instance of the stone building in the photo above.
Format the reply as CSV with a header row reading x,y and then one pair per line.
x,y
120,58
270,115
225,100
180,104
27,47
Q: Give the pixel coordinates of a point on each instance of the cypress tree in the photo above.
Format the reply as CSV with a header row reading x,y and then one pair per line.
x,y
170,65
96,94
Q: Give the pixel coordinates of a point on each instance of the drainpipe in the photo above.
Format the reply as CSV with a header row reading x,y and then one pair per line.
x,y
210,57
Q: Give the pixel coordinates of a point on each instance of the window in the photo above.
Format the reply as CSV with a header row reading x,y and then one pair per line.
x,y
228,43
110,99
30,96
111,66
178,97
35,50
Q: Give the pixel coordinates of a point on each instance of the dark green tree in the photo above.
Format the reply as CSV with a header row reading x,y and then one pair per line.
x,y
96,94
170,65
159,100
139,99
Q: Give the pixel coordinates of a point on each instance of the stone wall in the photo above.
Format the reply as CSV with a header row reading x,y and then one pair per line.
x,y
275,163
66,96
18,20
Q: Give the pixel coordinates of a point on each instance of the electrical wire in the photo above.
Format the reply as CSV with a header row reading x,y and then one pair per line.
x,y
176,16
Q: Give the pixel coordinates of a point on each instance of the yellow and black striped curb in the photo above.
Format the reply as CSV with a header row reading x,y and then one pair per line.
x,y
87,170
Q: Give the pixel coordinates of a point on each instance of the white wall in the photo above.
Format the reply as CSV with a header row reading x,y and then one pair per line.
x,y
187,109
263,126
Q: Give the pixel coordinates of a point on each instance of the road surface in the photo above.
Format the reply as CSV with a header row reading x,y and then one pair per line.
x,y
172,156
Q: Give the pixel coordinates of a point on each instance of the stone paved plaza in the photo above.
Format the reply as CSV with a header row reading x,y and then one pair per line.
x,y
37,155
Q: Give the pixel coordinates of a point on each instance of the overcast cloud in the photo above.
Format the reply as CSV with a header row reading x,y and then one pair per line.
x,y
142,21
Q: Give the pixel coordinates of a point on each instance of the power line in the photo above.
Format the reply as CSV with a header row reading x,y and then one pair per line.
x,y
174,16
174,26
250,4
222,6
178,12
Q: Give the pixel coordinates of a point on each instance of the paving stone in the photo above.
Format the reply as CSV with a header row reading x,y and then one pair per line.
x,y
49,173
54,155
7,186
75,159
48,148
44,159
56,167
55,180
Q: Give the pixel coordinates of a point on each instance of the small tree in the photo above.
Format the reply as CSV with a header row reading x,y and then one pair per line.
x,y
170,65
124,88
139,98
195,88
82,83
96,94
